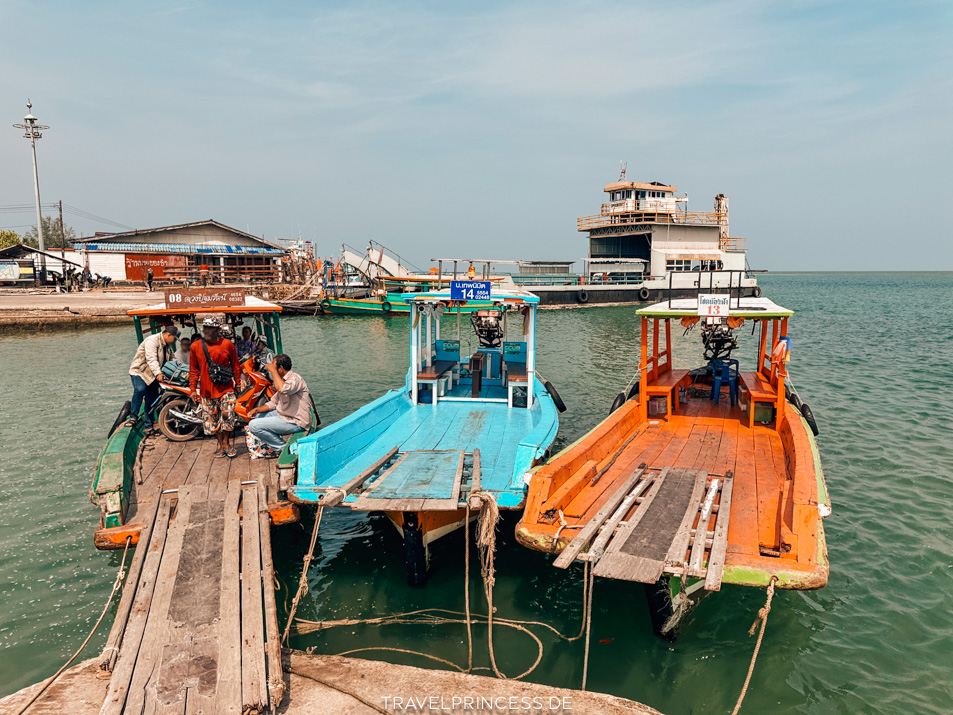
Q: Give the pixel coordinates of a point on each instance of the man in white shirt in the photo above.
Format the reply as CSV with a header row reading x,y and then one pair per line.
x,y
146,373
289,411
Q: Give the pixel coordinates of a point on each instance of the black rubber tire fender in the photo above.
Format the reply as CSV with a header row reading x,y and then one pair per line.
x,y
582,296
386,307
325,304
122,417
165,417
557,400
756,291
809,416
633,391
644,293
617,402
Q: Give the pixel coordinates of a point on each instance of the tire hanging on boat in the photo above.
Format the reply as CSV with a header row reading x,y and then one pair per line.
x,y
644,293
582,296
557,400
809,416
633,391
617,402
325,304
386,307
756,292
122,417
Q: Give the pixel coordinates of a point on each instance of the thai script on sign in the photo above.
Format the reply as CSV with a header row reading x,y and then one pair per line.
x,y
713,305
470,290
204,298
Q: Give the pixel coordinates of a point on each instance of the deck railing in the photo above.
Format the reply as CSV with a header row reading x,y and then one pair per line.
x,y
691,218
733,244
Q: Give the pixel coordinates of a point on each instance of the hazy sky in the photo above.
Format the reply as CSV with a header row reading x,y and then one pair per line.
x,y
487,128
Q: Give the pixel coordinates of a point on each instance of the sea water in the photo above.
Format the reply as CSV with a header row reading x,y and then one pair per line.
x,y
872,354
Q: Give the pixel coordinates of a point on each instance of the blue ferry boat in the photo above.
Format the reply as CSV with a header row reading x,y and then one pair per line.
x,y
472,416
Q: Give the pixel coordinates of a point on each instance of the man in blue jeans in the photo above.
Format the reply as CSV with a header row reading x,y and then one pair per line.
x,y
289,411
146,373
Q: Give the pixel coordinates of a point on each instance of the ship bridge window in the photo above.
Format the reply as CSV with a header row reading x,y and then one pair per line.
x,y
688,265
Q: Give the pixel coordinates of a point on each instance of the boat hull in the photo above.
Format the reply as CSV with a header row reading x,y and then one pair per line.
x,y
393,306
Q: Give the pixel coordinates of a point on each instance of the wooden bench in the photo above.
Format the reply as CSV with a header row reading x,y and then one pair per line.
x,y
665,384
515,375
434,373
759,390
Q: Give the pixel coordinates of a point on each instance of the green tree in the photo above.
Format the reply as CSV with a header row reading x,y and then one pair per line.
x,y
9,238
52,236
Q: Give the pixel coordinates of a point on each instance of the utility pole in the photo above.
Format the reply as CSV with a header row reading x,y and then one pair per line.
x,y
63,248
32,131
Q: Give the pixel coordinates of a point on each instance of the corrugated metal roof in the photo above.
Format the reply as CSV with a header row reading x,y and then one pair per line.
x,y
188,248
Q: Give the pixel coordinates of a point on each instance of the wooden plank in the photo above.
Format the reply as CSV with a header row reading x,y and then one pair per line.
x,y
475,477
608,529
701,530
743,528
676,553
111,649
229,685
639,550
716,559
570,488
569,554
275,678
138,616
254,677
151,651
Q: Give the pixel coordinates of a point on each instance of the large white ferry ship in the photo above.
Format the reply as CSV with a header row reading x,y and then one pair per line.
x,y
645,245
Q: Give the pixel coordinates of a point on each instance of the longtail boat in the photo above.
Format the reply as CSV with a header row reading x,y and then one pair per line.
x,y
133,470
697,477
461,424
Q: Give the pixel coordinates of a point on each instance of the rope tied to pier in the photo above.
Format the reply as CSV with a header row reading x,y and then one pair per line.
x,y
763,620
117,585
303,580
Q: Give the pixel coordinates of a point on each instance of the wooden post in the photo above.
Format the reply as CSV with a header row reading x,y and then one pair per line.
x,y
655,343
761,349
644,371
668,342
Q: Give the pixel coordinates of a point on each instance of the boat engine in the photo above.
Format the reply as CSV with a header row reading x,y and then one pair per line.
x,y
487,325
718,341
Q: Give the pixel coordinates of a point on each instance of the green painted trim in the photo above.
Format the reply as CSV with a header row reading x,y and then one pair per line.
x,y
112,481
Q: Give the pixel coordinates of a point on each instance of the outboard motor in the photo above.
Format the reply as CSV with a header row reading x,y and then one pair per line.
x,y
486,323
718,341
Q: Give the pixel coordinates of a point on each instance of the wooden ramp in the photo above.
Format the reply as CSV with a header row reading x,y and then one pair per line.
x,y
197,630
420,480
668,521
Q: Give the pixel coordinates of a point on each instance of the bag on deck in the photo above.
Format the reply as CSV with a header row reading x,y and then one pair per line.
x,y
176,372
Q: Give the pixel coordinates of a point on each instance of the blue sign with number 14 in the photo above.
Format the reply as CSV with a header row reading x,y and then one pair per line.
x,y
470,290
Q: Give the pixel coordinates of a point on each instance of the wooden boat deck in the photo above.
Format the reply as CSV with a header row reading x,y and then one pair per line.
x,y
760,464
163,465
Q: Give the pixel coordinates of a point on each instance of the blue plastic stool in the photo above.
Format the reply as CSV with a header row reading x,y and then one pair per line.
x,y
721,371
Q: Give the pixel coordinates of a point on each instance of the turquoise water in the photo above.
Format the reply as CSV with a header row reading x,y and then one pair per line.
x,y
872,355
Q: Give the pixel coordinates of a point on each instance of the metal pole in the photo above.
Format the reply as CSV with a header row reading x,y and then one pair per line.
x,y
63,247
39,215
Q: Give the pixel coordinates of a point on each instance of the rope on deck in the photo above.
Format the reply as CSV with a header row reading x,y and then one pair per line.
x,y
303,581
120,575
763,620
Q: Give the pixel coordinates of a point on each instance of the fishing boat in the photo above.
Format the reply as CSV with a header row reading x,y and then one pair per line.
x,y
700,475
384,283
472,417
133,470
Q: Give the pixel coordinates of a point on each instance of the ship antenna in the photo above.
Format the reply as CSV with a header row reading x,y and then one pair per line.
x,y
624,165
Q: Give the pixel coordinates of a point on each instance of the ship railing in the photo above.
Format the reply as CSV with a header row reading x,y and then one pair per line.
x,y
692,218
705,282
734,244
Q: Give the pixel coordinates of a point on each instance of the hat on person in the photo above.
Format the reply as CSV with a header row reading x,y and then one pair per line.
x,y
211,323
171,330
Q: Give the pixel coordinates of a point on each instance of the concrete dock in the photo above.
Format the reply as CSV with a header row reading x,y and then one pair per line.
x,y
325,684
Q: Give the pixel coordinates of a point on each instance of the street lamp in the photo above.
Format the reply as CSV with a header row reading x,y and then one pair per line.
x,y
32,132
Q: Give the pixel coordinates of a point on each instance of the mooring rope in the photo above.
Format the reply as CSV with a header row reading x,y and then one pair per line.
x,y
763,620
303,581
589,576
116,585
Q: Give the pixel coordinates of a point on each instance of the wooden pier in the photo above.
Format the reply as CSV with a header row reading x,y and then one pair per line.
x,y
197,628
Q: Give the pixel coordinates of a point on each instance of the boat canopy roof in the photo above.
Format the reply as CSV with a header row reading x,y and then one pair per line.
x,y
252,305
497,295
744,308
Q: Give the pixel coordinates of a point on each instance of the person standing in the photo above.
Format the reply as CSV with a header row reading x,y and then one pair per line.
x,y
287,412
203,274
146,373
214,371
150,276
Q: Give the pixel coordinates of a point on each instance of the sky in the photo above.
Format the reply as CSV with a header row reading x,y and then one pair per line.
x,y
485,129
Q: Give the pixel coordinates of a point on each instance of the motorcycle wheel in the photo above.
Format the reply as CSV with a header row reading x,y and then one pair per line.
x,y
174,428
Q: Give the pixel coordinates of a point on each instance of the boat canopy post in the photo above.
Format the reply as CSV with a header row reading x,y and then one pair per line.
x,y
414,326
531,356
427,352
139,329
644,371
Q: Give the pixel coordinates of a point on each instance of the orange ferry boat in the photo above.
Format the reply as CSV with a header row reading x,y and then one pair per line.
x,y
698,477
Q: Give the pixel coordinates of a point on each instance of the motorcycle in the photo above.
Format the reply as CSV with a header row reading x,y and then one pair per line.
x,y
180,419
